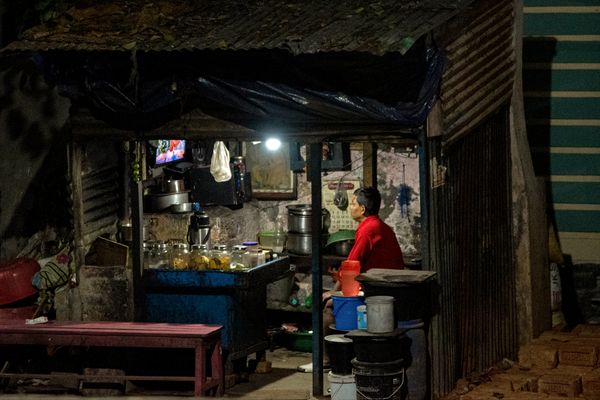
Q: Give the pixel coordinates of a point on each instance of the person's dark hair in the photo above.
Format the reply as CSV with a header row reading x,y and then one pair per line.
x,y
370,198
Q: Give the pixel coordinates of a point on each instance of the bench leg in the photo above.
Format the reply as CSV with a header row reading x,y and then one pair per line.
x,y
200,371
216,362
200,381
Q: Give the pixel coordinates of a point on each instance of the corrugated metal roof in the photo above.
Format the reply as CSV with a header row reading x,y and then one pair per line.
x,y
298,26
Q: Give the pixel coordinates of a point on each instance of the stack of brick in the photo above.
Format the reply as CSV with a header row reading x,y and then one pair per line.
x,y
554,366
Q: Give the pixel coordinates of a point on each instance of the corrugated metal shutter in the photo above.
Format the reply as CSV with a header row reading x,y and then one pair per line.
x,y
561,78
471,250
479,76
95,193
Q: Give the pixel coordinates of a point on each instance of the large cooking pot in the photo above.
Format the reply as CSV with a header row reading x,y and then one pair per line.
x,y
173,186
162,201
301,243
300,215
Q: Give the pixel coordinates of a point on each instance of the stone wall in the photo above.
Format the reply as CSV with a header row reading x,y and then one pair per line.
x,y
244,224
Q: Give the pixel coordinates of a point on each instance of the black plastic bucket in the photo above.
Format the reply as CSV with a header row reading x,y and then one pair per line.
x,y
417,365
341,352
378,381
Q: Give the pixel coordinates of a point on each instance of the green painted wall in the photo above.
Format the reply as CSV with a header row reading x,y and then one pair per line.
x,y
561,79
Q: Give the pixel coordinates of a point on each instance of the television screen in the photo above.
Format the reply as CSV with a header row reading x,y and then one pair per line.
x,y
169,151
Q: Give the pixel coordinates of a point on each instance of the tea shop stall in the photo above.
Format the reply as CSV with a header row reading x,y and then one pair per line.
x,y
151,112
236,300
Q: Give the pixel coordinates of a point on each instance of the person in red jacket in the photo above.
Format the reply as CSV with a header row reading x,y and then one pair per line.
x,y
375,243
375,246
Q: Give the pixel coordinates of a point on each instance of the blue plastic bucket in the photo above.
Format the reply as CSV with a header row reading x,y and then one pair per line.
x,y
344,311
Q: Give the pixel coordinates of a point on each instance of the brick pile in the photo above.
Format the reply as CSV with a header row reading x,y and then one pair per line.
x,y
554,366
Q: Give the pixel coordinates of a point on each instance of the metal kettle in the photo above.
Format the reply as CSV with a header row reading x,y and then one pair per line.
x,y
199,229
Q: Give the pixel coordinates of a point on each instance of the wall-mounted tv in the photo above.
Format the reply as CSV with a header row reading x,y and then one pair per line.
x,y
169,151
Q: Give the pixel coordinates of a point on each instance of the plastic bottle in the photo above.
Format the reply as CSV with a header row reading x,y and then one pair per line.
x,y
280,235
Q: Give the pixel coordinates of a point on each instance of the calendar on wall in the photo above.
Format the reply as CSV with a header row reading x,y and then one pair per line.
x,y
340,219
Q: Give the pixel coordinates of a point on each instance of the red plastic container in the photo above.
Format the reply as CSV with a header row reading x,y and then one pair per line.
x,y
350,286
350,265
15,280
349,270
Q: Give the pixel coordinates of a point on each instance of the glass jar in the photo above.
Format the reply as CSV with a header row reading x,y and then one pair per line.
x,y
220,259
254,255
146,256
280,235
180,257
237,258
199,257
159,256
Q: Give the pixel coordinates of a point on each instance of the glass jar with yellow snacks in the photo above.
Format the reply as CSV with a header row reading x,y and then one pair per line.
x,y
220,259
199,257
179,258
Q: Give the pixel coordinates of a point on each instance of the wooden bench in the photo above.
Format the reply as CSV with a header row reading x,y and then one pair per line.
x,y
204,339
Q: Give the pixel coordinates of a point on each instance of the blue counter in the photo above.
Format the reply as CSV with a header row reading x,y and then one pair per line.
x,y
235,300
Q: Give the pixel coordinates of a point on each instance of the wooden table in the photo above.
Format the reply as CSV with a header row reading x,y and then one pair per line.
x,y
204,339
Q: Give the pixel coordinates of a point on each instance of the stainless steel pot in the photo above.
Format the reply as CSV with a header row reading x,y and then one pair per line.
x,y
181,208
301,243
159,202
174,186
300,215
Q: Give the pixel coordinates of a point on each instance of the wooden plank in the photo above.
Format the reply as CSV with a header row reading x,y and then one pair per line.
x,y
123,328
370,164
395,276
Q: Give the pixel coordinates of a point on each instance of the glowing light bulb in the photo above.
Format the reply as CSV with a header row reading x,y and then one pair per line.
x,y
273,144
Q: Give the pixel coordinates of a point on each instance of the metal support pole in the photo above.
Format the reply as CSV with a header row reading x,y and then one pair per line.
x,y
314,170
137,252
424,197
370,164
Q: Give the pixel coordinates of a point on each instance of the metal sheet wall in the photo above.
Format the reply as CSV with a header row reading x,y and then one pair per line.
x,y
481,65
95,193
471,249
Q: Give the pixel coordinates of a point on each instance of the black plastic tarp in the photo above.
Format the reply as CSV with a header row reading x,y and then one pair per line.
x,y
255,89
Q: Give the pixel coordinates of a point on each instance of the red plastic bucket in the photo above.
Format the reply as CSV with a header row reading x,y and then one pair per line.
x,y
15,280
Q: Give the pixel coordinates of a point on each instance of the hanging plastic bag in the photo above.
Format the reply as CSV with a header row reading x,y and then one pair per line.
x,y
340,198
219,164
